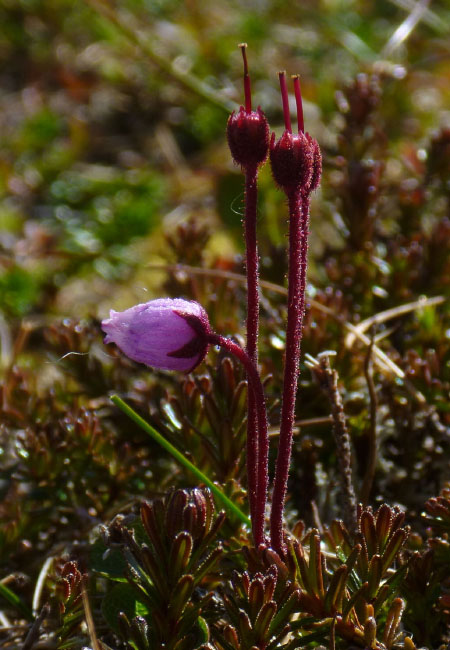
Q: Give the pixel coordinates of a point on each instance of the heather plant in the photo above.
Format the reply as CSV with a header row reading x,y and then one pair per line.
x,y
252,452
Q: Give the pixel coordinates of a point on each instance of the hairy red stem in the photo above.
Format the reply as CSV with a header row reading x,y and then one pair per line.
x,y
253,446
256,387
298,246
305,201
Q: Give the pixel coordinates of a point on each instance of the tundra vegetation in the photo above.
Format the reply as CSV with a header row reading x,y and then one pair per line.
x,y
145,508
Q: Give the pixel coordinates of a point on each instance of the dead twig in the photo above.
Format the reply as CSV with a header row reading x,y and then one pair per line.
x,y
394,312
307,422
328,381
35,629
373,442
88,615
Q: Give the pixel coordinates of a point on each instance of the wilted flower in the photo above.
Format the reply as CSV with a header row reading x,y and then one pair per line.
x,y
168,333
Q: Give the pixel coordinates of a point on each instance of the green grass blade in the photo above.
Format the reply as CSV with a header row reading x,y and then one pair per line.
x,y
15,601
227,503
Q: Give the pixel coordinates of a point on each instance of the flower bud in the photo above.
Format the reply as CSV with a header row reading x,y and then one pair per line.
x,y
168,334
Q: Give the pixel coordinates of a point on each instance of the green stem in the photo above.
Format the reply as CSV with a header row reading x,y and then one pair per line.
x,y
228,504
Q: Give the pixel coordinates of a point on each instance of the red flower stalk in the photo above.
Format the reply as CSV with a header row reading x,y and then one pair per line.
x,y
248,139
257,391
296,167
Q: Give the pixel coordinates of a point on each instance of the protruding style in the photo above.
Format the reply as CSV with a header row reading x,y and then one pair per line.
x,y
292,156
299,102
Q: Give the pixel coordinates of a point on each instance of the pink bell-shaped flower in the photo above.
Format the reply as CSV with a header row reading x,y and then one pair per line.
x,y
168,333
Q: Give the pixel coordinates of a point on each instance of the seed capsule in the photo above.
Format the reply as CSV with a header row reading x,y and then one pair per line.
x,y
247,130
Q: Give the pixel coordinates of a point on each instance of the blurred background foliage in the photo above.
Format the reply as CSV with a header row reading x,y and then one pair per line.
x,y
112,121
114,168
